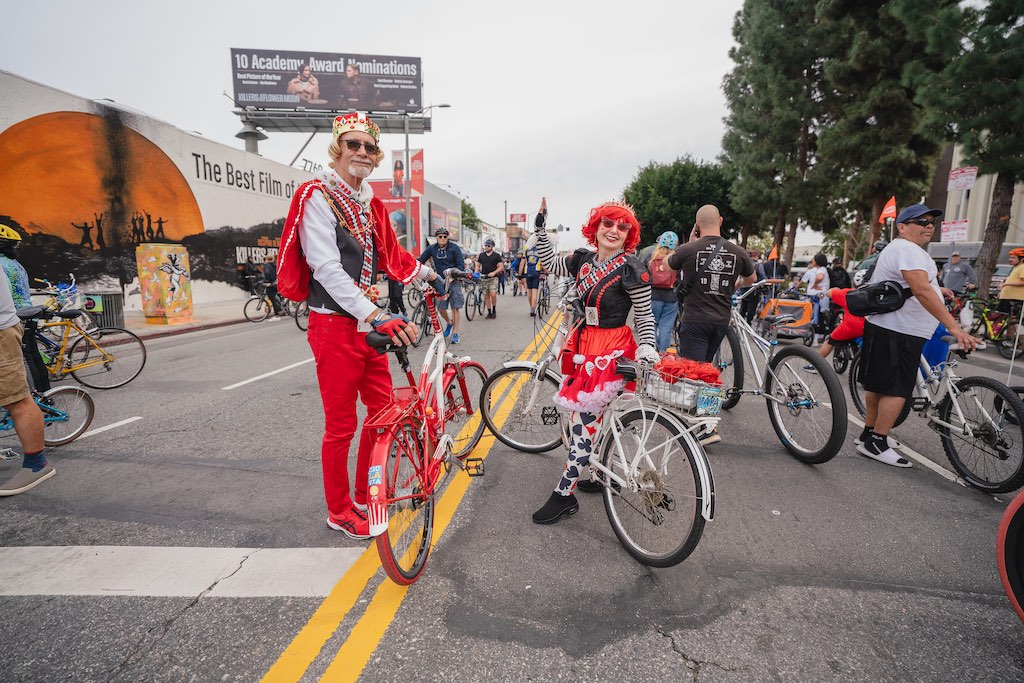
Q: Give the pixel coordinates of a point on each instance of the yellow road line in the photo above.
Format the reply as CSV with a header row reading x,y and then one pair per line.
x,y
309,641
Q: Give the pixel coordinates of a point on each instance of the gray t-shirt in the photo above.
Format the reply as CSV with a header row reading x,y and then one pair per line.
x,y
958,276
8,314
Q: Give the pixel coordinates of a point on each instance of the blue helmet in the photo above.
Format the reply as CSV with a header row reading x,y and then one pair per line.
x,y
668,239
489,242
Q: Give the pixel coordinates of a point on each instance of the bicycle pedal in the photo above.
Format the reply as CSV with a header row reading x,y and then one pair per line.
x,y
8,454
919,403
549,415
474,467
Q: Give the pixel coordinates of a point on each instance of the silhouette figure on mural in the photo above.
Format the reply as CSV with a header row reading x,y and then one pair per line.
x,y
86,234
99,230
149,226
160,228
137,233
174,268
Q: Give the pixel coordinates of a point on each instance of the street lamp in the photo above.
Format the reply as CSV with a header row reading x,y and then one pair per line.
x,y
409,227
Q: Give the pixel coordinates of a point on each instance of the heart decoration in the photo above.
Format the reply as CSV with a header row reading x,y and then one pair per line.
x,y
589,368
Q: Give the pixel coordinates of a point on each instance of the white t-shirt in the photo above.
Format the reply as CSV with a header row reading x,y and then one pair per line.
x,y
912,319
810,276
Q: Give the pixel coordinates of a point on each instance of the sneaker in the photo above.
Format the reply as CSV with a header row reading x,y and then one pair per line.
x,y
886,454
810,368
455,338
26,479
448,330
589,486
893,443
352,523
556,508
533,312
710,438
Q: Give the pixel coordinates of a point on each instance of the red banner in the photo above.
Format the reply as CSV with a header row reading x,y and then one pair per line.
x,y
889,211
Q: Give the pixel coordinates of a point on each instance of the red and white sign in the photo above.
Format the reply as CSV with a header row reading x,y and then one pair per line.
x,y
962,178
954,231
517,218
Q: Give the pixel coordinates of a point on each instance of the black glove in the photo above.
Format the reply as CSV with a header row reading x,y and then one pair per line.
x,y
541,220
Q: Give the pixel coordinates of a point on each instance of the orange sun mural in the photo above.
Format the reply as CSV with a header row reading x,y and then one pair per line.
x,y
86,178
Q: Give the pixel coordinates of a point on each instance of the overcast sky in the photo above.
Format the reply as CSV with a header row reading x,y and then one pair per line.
x,y
564,99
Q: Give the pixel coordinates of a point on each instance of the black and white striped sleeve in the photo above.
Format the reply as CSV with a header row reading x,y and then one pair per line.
x,y
643,317
557,265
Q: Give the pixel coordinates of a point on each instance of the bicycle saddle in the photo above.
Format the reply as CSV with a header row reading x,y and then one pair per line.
x,y
67,314
31,312
778,320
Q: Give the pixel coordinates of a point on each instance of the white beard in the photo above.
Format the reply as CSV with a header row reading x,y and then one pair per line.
x,y
358,171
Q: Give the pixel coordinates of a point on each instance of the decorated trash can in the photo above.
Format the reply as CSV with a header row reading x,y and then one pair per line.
x,y
164,283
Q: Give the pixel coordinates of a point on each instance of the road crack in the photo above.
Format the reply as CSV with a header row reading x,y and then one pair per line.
x,y
693,665
158,632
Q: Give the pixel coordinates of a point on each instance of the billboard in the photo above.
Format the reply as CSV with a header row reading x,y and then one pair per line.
x,y
281,79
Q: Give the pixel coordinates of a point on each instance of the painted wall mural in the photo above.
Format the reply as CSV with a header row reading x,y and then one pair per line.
x,y
165,283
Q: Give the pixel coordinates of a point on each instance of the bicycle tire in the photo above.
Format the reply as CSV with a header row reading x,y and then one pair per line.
x,y
462,421
115,357
857,394
421,318
76,408
791,382
730,367
677,492
995,464
1010,553
301,315
1007,339
257,309
413,296
840,360
536,431
405,546
470,305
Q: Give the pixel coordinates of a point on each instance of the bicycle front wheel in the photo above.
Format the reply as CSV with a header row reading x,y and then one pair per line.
x,y
109,358
1008,339
470,303
840,359
302,315
656,515
421,318
405,545
729,361
463,420
516,406
1010,553
993,458
257,309
67,413
806,404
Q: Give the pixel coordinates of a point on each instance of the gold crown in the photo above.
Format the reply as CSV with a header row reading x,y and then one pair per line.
x,y
356,121
622,205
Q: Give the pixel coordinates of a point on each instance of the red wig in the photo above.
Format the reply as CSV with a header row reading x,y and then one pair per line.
x,y
616,211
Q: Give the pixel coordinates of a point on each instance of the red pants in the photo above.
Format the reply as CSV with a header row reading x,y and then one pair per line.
x,y
346,367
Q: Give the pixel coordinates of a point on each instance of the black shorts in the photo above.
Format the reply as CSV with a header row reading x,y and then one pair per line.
x,y
889,361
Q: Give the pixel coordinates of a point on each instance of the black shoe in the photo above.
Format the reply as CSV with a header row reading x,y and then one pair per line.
x,y
589,486
533,313
556,508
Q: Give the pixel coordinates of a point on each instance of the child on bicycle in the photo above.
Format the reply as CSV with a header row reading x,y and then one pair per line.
x,y
609,282
849,329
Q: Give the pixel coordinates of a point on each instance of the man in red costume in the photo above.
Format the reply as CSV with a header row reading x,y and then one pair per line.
x,y
345,237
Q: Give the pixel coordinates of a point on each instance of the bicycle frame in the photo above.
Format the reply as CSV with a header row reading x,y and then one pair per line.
x,y
50,414
939,381
610,428
60,364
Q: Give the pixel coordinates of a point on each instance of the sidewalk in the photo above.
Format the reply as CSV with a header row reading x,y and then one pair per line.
x,y
204,317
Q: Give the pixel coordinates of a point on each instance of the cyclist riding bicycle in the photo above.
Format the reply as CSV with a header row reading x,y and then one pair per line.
x,y
445,254
491,265
849,329
530,269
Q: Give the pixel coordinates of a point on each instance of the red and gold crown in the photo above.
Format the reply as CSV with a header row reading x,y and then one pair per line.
x,y
356,121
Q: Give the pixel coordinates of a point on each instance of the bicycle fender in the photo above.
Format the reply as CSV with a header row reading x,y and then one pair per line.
x,y
707,478
376,491
528,365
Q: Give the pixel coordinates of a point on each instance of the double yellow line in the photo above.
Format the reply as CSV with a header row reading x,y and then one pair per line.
x,y
355,652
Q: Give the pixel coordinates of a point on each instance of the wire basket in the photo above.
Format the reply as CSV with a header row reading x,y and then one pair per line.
x,y
67,296
692,396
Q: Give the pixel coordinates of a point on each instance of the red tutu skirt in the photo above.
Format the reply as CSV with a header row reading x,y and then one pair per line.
x,y
589,382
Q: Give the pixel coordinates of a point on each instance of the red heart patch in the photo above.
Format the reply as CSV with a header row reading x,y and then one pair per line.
x,y
645,277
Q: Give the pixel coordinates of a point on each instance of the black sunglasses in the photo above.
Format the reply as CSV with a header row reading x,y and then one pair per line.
x,y
923,222
354,145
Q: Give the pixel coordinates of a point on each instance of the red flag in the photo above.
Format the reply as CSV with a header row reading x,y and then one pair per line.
x,y
889,211
775,253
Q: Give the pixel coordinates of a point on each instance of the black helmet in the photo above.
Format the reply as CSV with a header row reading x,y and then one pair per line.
x,y
441,231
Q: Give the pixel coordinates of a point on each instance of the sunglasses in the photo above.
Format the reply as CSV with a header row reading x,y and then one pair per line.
x,y
923,222
608,223
354,145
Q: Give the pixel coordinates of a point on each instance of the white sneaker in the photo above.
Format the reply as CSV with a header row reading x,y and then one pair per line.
x,y
888,456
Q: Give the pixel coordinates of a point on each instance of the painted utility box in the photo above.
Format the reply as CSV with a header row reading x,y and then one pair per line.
x,y
164,283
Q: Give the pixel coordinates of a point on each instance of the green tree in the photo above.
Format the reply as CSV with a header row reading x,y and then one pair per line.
x,y
470,219
667,196
978,99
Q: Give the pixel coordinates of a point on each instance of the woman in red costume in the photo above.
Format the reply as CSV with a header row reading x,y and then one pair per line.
x,y
346,238
610,282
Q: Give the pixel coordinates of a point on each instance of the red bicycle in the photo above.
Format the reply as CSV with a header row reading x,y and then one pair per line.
x,y
1010,553
429,428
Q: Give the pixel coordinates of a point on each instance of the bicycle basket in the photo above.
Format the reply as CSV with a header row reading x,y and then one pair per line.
x,y
67,296
689,395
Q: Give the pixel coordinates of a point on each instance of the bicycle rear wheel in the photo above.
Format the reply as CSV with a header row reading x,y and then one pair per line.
x,y
660,523
257,309
857,393
840,359
993,459
807,408
471,303
109,358
302,315
729,361
516,406
67,413
405,545
1007,340
1010,553
463,419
